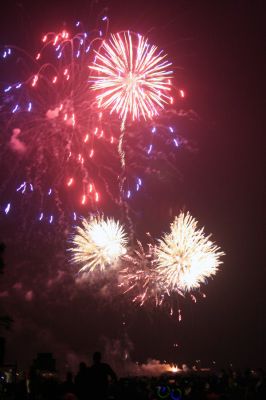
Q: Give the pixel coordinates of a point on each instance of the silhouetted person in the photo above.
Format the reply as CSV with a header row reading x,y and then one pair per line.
x,y
34,382
68,385
100,374
82,382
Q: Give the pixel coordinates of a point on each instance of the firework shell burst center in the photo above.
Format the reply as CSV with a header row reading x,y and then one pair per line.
x,y
185,256
98,243
132,77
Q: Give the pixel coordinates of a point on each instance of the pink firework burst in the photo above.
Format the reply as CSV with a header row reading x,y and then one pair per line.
x,y
133,78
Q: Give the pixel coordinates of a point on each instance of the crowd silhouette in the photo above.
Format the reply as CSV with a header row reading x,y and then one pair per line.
x,y
99,382
92,382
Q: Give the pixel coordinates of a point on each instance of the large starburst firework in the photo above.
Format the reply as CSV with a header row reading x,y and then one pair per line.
x,y
133,77
98,243
185,256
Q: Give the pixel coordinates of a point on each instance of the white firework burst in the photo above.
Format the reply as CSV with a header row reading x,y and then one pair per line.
x,y
185,256
133,76
98,243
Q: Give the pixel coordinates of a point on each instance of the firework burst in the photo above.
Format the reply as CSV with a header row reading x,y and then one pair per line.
x,y
140,277
98,243
133,77
64,145
185,256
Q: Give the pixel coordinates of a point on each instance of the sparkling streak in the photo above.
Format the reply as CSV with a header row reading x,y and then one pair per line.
x,y
21,186
7,209
15,108
176,143
69,183
149,149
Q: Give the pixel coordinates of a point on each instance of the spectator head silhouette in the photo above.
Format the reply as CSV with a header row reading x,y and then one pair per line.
x,y
82,366
69,376
97,357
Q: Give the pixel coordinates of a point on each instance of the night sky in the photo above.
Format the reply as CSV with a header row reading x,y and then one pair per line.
x,y
218,48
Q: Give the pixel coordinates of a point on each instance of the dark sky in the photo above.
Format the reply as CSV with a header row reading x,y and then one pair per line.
x,y
218,47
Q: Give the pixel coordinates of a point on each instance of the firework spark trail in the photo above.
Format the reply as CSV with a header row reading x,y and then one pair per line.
x,y
134,80
98,243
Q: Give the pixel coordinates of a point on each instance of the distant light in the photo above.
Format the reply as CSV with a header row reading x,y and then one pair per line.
x,y
139,181
171,129
7,89
78,54
100,33
18,85
51,219
87,49
29,106
49,192
41,217
104,18
31,187
153,129
74,216
128,194
77,23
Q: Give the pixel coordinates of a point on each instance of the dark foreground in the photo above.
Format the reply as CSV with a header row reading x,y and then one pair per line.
x,y
236,385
